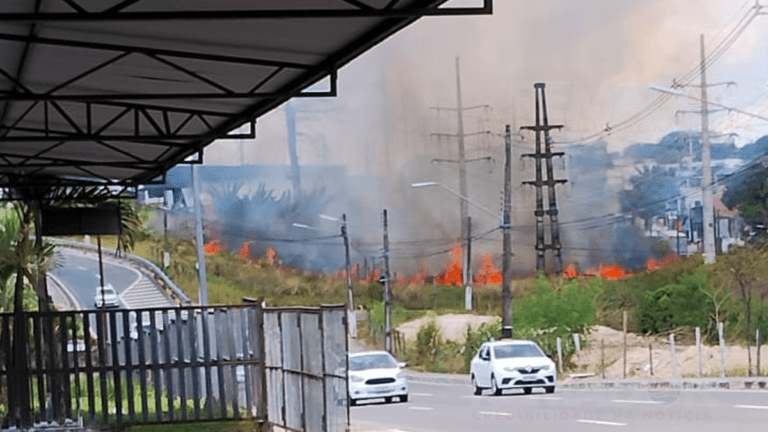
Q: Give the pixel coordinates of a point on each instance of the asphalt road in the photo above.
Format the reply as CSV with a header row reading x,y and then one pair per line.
x,y
80,275
452,407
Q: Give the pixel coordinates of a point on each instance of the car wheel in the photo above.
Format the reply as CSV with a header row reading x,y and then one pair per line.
x,y
494,388
527,390
404,398
388,399
477,390
352,402
549,389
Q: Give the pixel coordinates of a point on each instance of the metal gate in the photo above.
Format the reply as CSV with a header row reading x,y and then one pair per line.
x,y
182,364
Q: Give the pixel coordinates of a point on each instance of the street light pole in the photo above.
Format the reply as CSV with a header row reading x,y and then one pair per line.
x,y
462,197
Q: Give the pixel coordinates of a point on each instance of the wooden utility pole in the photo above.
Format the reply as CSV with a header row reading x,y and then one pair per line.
x,y
387,291
351,306
507,329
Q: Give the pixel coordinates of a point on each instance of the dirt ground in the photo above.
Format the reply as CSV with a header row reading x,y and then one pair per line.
x,y
454,326
592,357
639,356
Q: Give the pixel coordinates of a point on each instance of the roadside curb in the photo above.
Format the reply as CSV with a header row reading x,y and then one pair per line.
x,y
757,383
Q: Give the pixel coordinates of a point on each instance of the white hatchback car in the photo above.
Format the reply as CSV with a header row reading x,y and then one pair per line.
x,y
109,297
374,375
512,364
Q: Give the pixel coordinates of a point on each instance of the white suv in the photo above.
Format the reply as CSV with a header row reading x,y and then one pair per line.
x,y
512,364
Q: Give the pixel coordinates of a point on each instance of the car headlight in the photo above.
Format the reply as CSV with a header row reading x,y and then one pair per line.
x,y
546,367
356,378
508,369
399,376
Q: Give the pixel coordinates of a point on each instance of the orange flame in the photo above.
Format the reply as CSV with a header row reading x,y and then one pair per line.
x,y
452,275
420,278
213,247
271,256
571,271
488,273
245,250
613,272
654,264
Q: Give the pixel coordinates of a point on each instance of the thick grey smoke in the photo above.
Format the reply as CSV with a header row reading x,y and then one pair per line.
x,y
596,56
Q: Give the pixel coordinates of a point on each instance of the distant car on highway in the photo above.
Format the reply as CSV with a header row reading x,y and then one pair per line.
x,y
375,375
512,364
109,297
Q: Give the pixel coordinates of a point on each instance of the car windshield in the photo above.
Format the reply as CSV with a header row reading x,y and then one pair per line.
x,y
373,361
107,291
517,350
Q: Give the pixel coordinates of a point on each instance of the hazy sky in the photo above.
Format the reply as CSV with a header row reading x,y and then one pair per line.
x,y
598,58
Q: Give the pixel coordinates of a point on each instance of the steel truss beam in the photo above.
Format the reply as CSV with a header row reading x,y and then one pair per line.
x,y
57,190
162,126
347,9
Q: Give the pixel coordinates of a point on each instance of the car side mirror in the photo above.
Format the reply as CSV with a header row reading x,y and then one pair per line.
x,y
402,365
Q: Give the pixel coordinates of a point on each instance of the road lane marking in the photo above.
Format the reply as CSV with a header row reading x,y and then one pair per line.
x,y
635,401
421,408
600,422
422,394
752,406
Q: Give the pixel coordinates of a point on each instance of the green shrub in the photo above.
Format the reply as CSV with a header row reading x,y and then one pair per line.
x,y
474,338
681,304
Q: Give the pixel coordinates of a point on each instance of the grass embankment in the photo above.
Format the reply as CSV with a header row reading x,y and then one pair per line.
x,y
683,295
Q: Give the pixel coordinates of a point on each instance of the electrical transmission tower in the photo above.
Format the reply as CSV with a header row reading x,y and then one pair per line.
x,y
462,162
542,125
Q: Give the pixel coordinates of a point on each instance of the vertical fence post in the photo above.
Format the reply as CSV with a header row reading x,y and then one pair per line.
x,y
650,357
625,344
602,358
757,342
698,351
722,348
560,355
673,356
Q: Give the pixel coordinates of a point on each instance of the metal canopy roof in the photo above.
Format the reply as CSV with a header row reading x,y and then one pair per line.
x,y
116,92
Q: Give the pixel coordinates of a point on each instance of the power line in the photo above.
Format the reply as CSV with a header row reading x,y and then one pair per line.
x,y
720,49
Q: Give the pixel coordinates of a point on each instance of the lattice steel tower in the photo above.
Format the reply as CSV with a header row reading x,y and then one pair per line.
x,y
542,125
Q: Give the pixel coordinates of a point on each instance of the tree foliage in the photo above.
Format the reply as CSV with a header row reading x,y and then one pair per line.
x,y
748,190
681,304
651,189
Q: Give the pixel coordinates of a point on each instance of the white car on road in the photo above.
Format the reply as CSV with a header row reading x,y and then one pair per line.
x,y
374,375
109,297
512,364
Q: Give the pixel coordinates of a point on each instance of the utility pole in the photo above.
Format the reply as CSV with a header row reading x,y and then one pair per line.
x,y
293,152
706,167
468,289
506,255
387,291
462,161
201,273
542,125
351,307
706,161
